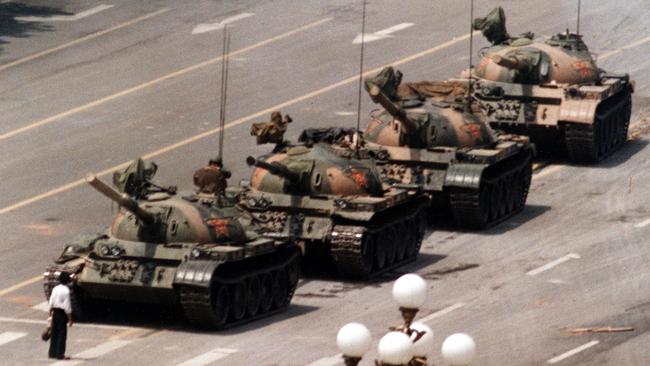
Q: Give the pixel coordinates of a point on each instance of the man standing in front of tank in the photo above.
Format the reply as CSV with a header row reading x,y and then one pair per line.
x,y
61,313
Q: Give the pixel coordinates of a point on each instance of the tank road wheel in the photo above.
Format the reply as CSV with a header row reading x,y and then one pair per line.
x,y
280,290
391,244
254,295
266,294
380,251
495,201
238,300
502,186
405,239
220,301
293,275
512,183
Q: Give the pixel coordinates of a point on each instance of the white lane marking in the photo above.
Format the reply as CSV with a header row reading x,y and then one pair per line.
x,y
208,27
384,33
92,353
7,337
628,46
442,312
572,352
44,306
328,361
77,325
557,282
550,265
66,18
343,113
208,357
642,224
548,170
82,39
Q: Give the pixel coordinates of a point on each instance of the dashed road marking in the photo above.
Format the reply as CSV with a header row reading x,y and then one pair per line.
x,y
209,357
382,34
66,18
550,265
442,312
44,306
172,75
7,337
642,224
328,361
572,352
234,123
82,39
208,27
92,353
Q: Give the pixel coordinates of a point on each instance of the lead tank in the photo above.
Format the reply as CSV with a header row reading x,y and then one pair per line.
x,y
552,90
195,250
333,201
435,141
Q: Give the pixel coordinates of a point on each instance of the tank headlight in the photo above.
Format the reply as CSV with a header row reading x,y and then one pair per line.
x,y
104,250
116,251
196,253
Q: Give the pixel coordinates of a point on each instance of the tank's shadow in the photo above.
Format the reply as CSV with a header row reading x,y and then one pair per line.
x,y
529,213
15,28
156,317
548,158
327,272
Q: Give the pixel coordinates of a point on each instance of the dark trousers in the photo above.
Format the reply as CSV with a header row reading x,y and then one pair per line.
x,y
59,333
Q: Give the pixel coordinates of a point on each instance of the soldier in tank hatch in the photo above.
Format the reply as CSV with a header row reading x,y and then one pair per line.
x,y
61,313
272,131
212,179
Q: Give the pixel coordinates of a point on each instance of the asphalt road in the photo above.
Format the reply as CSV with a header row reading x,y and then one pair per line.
x,y
89,93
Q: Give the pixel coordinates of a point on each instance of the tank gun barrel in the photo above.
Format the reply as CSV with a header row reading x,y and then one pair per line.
x,y
274,168
511,63
392,108
121,199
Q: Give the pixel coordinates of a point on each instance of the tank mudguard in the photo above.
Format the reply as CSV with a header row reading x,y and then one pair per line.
x,y
195,273
464,175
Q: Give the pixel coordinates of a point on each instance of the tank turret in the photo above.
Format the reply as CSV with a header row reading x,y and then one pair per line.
x,y
123,200
395,110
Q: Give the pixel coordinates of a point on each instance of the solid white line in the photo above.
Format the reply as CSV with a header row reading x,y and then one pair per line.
x,y
550,265
208,357
208,27
7,337
328,361
44,306
442,312
628,46
66,18
642,224
572,352
82,39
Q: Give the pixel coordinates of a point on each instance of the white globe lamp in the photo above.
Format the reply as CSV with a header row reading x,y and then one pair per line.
x,y
353,339
458,349
423,346
410,292
395,348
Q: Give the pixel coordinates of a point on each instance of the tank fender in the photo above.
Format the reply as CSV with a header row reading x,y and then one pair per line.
x,y
464,175
195,273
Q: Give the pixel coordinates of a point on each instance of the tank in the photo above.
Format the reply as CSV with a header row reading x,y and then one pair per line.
x,y
197,251
552,90
332,200
433,141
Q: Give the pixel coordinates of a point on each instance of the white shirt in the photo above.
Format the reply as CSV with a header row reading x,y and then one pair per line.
x,y
60,298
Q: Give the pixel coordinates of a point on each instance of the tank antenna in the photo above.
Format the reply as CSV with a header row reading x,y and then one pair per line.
x,y
578,20
471,43
363,30
224,87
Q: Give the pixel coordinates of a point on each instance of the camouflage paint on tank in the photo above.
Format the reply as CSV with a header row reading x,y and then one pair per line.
x,y
322,172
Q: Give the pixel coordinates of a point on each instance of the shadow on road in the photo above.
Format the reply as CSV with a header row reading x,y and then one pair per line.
x,y
529,213
10,27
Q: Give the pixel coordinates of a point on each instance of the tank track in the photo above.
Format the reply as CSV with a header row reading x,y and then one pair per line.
x,y
365,251
501,194
228,301
590,143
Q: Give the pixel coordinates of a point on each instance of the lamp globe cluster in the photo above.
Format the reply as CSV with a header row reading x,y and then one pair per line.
x,y
409,344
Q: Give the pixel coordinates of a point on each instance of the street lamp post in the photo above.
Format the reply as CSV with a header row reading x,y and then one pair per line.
x,y
409,344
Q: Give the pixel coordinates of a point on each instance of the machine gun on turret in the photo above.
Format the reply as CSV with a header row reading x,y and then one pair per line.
x,y
275,169
147,218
